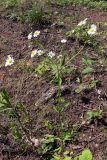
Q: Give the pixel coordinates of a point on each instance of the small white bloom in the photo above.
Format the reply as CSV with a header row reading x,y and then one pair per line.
x,y
36,75
40,52
83,122
30,36
73,31
36,33
9,61
63,41
51,54
59,56
82,23
99,91
34,52
35,141
92,30
29,46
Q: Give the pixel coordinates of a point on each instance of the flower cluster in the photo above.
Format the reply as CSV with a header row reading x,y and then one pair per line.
x,y
10,59
51,54
91,31
37,52
63,41
35,34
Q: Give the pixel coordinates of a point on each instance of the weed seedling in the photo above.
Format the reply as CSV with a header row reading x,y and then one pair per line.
x,y
94,114
17,115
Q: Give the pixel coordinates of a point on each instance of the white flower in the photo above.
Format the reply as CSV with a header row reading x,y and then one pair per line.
x,y
73,31
29,46
9,61
35,141
34,52
51,54
92,30
40,52
36,75
98,91
59,56
82,23
30,36
36,33
63,41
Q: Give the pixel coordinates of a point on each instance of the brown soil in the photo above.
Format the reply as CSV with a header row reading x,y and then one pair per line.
x,y
27,88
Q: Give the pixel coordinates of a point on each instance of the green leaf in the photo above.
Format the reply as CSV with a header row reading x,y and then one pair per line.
x,y
5,104
87,70
56,157
67,158
93,83
86,155
59,80
42,68
63,61
88,61
15,131
68,135
94,114
79,89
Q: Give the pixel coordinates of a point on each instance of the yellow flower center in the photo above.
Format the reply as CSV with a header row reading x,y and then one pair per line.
x,y
10,60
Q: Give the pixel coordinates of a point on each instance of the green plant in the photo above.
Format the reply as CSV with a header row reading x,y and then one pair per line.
x,y
28,11
55,144
66,157
11,3
34,15
93,84
100,4
68,135
39,11
64,2
49,146
60,105
94,114
49,125
56,68
52,145
90,85
86,155
43,67
17,114
87,64
84,32
86,81
80,88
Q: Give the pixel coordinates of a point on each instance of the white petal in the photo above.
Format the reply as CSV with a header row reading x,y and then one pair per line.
x,y
34,52
30,36
63,41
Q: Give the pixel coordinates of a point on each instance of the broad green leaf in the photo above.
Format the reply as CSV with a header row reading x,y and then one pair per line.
x,y
86,155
